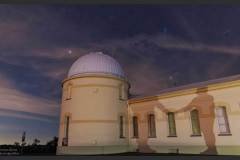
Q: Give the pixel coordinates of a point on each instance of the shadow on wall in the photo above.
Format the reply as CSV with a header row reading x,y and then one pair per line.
x,y
142,140
143,127
203,103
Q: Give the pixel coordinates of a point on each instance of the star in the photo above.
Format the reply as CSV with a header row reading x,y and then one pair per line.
x,y
70,51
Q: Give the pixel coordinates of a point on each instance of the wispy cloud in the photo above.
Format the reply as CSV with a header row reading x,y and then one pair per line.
x,y
168,41
55,62
28,115
14,100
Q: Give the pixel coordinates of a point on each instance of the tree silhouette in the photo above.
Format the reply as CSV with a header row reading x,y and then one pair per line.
x,y
16,144
52,145
53,142
36,142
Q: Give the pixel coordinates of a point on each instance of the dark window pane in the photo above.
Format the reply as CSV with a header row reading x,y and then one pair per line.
x,y
195,122
171,124
151,126
121,127
135,126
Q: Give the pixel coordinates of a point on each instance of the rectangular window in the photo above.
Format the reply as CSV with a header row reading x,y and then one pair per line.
x,y
222,120
121,127
171,125
122,92
66,130
151,126
66,126
69,92
195,123
135,127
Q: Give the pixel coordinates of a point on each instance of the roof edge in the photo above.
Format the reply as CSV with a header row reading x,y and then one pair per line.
x,y
214,84
95,75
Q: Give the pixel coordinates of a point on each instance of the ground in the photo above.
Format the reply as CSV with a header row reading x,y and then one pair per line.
x,y
124,156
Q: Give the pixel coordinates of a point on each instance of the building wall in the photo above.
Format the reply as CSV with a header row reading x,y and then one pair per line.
x,y
205,100
94,108
97,102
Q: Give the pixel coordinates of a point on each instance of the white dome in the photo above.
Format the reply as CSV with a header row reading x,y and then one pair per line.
x,y
97,63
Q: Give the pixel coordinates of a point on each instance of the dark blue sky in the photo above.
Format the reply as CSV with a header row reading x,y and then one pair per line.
x,y
152,43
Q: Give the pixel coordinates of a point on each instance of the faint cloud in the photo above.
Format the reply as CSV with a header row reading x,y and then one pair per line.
x,y
27,115
13,34
12,99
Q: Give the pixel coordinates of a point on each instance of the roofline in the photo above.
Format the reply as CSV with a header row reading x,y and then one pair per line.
x,y
214,84
97,75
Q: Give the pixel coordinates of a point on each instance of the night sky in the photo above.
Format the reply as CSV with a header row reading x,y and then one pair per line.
x,y
156,46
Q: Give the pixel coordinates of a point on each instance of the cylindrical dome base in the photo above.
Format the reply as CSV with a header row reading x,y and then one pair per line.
x,y
93,115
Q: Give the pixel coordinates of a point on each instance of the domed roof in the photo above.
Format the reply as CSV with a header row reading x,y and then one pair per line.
x,y
97,63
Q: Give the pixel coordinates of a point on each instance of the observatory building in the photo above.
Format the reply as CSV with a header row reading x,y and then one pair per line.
x,y
99,117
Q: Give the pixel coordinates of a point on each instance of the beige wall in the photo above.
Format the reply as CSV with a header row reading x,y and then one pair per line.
x,y
95,107
227,96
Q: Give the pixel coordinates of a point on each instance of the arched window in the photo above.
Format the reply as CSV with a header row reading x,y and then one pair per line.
x,y
121,127
222,118
66,130
151,126
171,125
195,123
135,126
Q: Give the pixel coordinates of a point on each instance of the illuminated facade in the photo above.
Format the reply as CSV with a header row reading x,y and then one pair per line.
x,y
98,117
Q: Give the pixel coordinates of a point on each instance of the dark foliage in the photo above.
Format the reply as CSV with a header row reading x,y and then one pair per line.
x,y
33,149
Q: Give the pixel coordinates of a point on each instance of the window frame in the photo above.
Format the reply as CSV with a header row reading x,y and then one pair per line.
x,y
226,121
69,92
121,126
66,130
174,124
123,95
151,126
135,127
198,123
